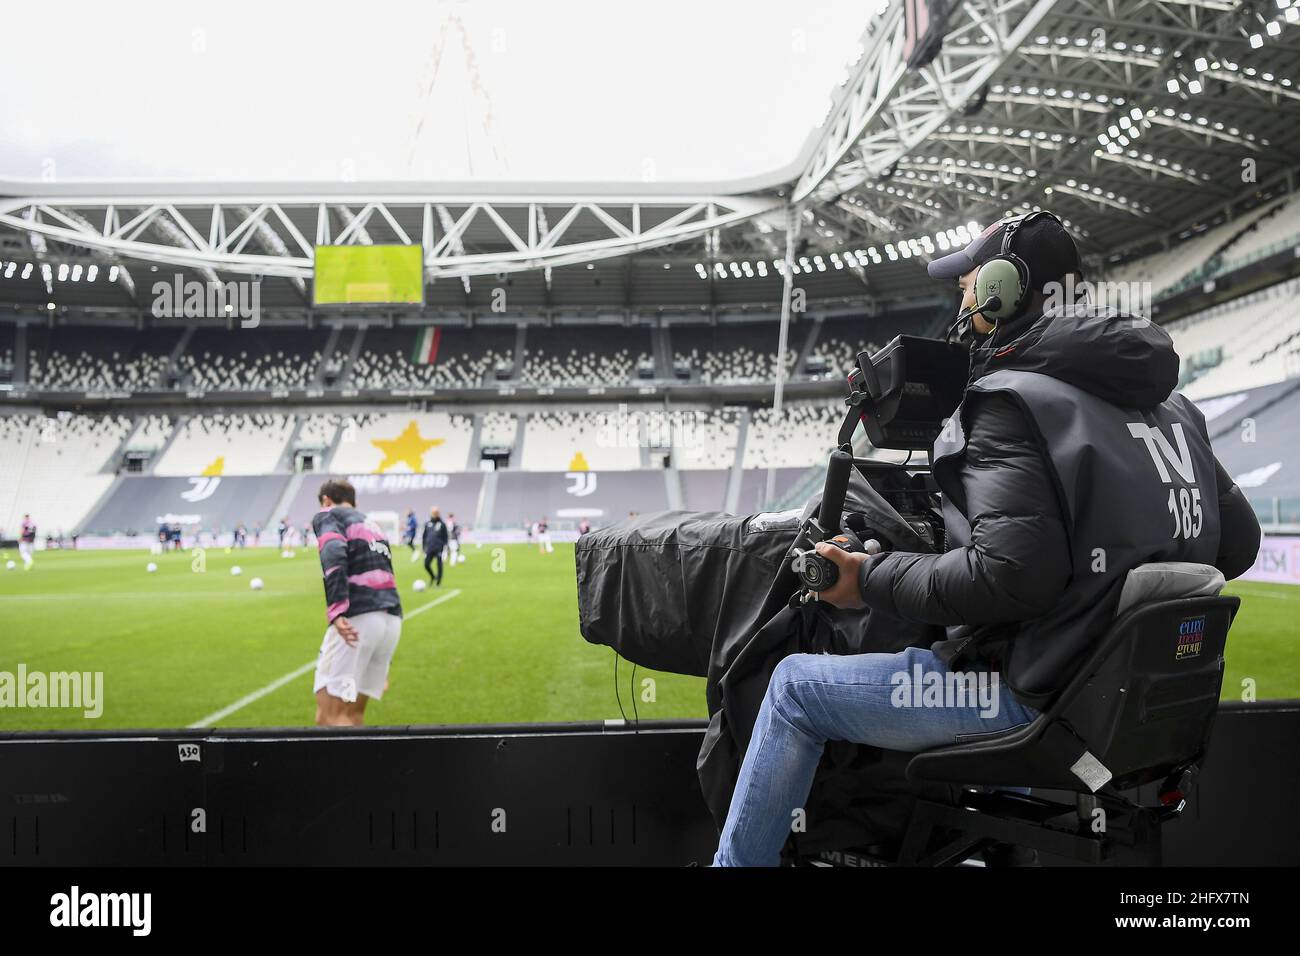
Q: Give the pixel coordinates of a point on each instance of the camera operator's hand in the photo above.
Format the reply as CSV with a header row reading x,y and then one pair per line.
x,y
845,593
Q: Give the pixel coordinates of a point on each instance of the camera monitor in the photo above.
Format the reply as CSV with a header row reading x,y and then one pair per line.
x,y
914,384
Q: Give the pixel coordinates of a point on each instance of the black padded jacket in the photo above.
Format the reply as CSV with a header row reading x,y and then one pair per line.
x,y
1018,562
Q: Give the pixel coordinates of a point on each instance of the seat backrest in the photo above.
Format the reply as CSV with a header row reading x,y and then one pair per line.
x,y
1141,706
1161,580
1151,692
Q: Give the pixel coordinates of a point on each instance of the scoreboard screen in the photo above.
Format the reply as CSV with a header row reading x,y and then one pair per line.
x,y
368,275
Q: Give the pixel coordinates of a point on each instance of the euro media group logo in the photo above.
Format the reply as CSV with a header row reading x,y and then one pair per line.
x,y
1191,633
179,299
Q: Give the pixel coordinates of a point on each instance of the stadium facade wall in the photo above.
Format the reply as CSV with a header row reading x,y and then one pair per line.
x,y
140,503
753,487
453,492
602,497
209,508
705,489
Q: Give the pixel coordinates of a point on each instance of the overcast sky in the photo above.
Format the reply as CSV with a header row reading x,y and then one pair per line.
x,y
453,90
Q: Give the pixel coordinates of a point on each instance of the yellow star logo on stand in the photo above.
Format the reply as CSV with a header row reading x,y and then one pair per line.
x,y
579,462
407,448
217,467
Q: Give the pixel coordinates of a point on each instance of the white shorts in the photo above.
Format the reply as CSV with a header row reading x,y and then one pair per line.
x,y
25,550
345,671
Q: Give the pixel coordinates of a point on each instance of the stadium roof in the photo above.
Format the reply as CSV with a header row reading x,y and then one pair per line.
x,y
493,90
1138,122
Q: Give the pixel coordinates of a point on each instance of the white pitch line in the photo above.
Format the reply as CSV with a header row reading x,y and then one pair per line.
x,y
275,685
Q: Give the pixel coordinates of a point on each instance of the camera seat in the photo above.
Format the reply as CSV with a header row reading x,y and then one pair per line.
x,y
1139,711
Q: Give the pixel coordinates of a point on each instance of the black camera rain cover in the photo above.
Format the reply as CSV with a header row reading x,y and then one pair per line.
x,y
663,589
677,591
708,594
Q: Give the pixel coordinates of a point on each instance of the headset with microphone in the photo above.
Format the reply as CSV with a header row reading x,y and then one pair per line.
x,y
964,318
1002,284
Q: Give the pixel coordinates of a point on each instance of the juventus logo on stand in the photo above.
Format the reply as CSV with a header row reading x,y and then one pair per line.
x,y
203,488
583,483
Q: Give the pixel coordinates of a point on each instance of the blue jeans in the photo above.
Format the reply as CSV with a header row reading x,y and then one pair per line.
x,y
876,699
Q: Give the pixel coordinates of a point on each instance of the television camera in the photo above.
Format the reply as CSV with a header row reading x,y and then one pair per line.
x,y
901,396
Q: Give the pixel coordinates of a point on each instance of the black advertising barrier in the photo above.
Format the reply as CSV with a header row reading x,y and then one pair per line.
x,y
565,794
551,795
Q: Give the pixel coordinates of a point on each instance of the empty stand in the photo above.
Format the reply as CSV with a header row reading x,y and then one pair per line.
x,y
50,468
1189,256
578,441
802,436
269,358
87,358
319,431
150,434
598,355
463,357
497,430
738,353
400,442
705,439
251,359
1277,228
226,445
1251,341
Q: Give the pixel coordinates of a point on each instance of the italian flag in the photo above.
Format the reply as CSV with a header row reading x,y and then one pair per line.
x,y
426,345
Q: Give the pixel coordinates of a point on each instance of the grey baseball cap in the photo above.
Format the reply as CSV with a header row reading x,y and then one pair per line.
x,y
1043,244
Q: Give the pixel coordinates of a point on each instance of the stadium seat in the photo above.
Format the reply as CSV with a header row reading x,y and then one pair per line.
x,y
1138,712
803,434
54,468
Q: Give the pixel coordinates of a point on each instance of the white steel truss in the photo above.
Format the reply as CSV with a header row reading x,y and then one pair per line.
x,y
516,233
885,110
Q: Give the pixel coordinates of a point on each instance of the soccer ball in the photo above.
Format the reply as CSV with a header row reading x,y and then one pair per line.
x,y
255,584
236,570
286,554
9,565
151,567
418,585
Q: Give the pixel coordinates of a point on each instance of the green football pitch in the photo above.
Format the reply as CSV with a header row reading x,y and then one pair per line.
x,y
497,643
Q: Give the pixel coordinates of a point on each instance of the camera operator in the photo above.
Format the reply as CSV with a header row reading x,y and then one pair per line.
x,y
1060,472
